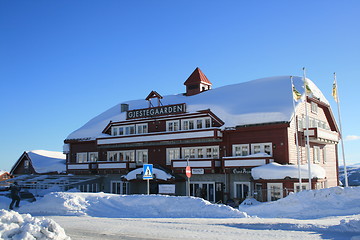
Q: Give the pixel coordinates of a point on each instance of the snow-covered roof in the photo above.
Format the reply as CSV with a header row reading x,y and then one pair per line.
x,y
160,174
44,161
277,171
2,172
259,101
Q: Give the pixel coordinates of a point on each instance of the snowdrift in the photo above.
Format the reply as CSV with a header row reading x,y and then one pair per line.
x,y
128,206
310,204
17,226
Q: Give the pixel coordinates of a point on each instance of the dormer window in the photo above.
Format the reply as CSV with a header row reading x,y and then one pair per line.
x,y
129,129
197,123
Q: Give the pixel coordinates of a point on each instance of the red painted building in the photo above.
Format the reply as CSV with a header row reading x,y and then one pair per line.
x,y
222,133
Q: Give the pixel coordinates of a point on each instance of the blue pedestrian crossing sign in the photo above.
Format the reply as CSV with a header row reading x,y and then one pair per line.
x,y
147,171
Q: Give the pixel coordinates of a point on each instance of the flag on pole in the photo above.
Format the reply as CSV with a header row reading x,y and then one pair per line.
x,y
296,93
334,91
307,88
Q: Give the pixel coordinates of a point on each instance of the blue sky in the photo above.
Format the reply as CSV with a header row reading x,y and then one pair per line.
x,y
64,62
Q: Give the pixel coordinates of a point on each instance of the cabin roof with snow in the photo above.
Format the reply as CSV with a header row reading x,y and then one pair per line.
x,y
40,162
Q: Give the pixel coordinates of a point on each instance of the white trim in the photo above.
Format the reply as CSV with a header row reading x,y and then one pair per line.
x,y
244,163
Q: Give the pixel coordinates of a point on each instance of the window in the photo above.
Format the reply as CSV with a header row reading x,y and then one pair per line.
x,y
93,156
172,126
172,153
241,189
324,154
141,128
316,154
304,186
141,156
314,107
118,187
122,156
197,123
241,150
274,191
27,164
201,152
261,148
81,157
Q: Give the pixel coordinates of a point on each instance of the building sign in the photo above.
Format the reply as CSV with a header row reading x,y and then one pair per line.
x,y
166,188
198,171
241,171
156,111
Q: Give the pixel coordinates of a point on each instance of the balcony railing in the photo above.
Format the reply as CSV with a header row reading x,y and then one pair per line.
x,y
179,165
320,135
101,165
246,161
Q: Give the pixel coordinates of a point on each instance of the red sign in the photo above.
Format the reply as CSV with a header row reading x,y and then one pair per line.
x,y
188,171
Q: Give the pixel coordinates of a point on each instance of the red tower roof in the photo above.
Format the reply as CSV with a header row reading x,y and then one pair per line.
x,y
197,77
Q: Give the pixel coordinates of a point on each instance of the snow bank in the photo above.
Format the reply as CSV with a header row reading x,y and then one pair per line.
x,y
278,171
310,204
17,226
128,206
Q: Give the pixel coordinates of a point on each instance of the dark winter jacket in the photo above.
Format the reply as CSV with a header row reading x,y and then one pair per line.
x,y
15,191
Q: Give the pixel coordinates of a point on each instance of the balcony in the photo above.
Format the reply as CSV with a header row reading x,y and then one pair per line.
x,y
247,161
198,165
319,135
101,165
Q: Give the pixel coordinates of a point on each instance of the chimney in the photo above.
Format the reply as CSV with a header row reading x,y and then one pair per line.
x,y
124,107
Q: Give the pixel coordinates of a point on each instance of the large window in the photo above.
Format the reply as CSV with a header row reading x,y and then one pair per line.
x,y
201,152
81,157
121,156
196,123
261,148
241,190
172,153
274,191
240,150
129,129
119,187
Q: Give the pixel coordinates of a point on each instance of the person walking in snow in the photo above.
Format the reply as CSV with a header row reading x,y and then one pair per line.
x,y
15,195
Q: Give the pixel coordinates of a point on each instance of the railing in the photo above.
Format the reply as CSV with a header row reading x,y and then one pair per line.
x,y
321,135
246,161
101,165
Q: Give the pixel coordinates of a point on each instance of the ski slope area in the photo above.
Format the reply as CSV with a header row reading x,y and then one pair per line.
x,y
317,214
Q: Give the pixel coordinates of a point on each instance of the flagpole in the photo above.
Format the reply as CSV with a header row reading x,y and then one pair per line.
x,y
341,135
307,131
296,137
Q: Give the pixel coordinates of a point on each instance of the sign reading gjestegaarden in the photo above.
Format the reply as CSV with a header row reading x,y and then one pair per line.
x,y
156,111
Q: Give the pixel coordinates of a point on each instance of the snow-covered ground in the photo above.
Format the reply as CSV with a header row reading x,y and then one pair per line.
x,y
319,214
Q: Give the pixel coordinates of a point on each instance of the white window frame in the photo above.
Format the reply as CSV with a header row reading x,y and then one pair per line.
x,y
207,152
240,146
172,126
304,186
140,156
314,107
141,128
172,153
242,193
324,151
123,187
82,157
262,147
193,192
274,186
93,156
125,154
317,154
193,123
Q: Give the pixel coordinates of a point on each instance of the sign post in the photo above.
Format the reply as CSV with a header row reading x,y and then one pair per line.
x,y
147,175
188,174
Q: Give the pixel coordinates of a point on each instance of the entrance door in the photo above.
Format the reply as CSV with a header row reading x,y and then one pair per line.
x,y
274,191
205,190
241,190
